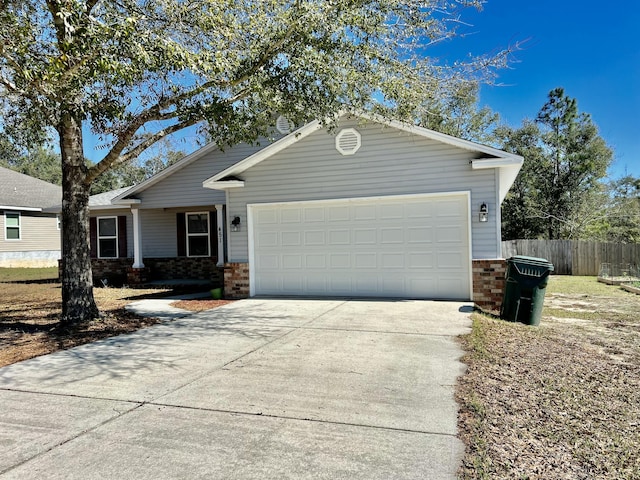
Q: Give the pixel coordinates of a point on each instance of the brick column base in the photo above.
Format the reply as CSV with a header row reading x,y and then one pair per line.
x,y
236,280
137,276
488,283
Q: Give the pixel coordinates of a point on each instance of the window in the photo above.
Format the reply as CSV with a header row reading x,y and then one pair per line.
x,y
198,234
107,237
11,226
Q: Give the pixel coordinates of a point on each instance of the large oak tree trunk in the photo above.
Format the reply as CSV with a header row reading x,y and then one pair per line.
x,y
78,304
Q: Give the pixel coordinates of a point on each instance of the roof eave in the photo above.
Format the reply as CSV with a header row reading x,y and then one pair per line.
x,y
223,184
21,209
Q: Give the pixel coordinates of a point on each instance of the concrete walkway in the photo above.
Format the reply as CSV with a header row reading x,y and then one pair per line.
x,y
260,388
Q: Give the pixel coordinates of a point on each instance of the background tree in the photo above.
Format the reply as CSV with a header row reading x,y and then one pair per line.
x,y
521,207
565,163
136,71
456,113
619,212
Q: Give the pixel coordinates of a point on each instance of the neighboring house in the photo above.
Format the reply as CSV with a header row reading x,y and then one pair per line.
x,y
30,237
373,208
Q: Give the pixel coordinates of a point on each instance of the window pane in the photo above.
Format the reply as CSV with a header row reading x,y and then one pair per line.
x,y
12,220
106,227
108,248
198,246
197,223
13,233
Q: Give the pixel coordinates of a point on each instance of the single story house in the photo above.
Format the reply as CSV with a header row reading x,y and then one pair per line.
x,y
30,236
371,208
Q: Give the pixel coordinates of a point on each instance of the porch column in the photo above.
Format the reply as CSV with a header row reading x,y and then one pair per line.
x,y
220,233
137,239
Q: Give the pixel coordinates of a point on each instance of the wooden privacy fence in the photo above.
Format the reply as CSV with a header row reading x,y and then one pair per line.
x,y
575,257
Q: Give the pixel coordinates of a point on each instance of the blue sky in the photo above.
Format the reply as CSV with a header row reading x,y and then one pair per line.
x,y
591,49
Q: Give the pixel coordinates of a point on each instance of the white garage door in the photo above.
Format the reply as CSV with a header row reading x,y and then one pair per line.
x,y
401,246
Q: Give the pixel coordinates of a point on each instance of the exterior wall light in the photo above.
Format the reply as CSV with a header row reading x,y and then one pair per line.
x,y
235,224
484,212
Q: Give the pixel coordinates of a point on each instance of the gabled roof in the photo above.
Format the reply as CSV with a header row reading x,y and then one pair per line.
x,y
489,157
22,192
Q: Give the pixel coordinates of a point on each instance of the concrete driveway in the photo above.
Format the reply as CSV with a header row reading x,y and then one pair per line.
x,y
261,388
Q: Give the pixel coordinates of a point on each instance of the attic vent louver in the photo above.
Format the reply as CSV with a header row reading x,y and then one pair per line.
x,y
282,125
348,141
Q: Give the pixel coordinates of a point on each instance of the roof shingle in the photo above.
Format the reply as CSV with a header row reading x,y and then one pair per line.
x,y
22,191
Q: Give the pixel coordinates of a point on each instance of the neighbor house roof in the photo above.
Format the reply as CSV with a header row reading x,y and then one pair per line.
x,y
104,200
22,192
488,157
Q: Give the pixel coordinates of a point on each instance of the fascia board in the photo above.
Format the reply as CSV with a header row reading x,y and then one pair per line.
x,y
265,153
168,171
225,184
433,135
15,208
510,160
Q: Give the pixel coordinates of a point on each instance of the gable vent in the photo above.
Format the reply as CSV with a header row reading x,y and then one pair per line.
x,y
283,125
348,141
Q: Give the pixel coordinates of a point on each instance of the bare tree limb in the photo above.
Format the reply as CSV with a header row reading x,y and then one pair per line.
x,y
113,159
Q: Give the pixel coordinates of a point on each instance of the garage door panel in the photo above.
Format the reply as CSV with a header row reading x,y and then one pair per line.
x,y
339,260
267,217
449,260
421,260
366,260
415,210
316,261
397,247
392,235
364,212
269,261
392,260
366,236
291,239
314,237
268,239
419,235
449,234
339,214
339,237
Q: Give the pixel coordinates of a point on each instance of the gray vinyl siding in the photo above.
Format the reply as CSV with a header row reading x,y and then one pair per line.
x,y
38,232
390,162
158,233
184,187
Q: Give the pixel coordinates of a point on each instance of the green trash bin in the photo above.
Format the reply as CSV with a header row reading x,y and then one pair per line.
x,y
525,286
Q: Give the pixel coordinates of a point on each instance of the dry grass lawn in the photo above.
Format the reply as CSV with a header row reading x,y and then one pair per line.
x,y
29,314
30,306
558,401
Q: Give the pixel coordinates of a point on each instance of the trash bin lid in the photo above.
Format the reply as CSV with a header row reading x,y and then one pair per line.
x,y
525,260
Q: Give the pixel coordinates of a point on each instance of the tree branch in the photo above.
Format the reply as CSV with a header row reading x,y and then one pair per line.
x,y
113,159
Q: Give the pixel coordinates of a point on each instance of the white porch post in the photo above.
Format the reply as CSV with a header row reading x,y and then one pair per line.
x,y
220,233
137,239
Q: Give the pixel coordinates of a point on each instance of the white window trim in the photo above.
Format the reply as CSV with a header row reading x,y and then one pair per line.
x,y
19,227
186,228
106,237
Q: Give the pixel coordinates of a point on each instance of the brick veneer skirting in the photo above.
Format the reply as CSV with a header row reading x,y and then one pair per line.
x,y
118,271
236,280
488,283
